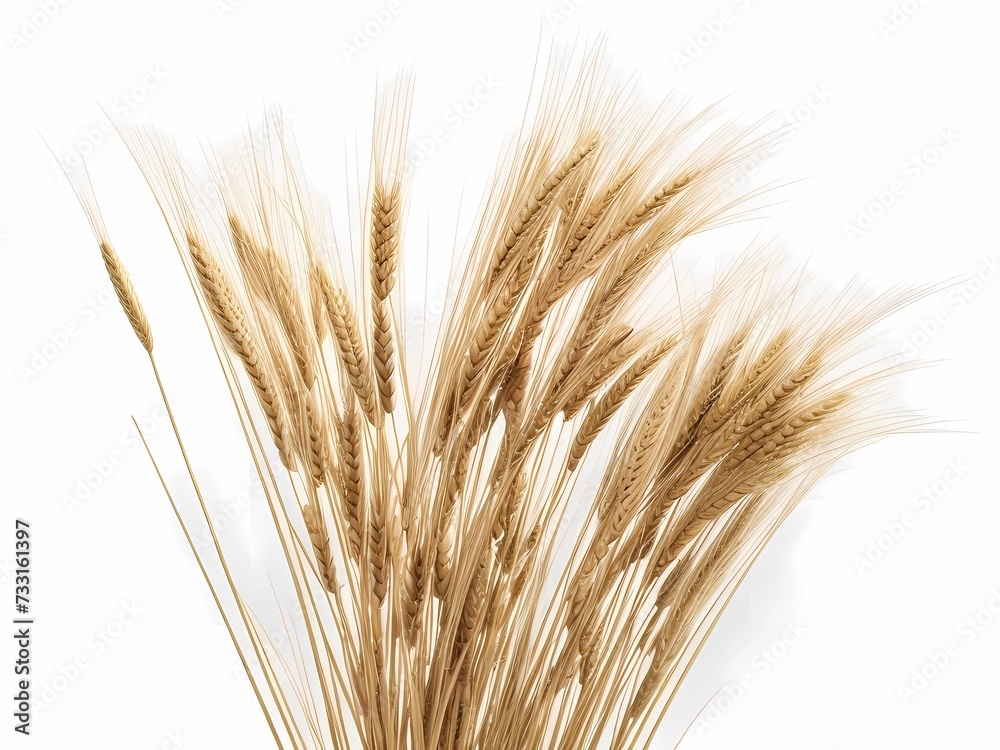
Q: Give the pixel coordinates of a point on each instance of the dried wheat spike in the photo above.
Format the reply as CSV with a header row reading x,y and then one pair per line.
x,y
345,329
601,411
350,450
127,296
537,199
378,549
413,580
385,233
318,454
320,540
288,309
384,354
228,313
79,179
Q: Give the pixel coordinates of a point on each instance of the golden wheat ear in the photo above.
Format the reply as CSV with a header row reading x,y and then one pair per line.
x,y
79,179
527,543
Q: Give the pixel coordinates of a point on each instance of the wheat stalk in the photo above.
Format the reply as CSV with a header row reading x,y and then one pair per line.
x,y
455,591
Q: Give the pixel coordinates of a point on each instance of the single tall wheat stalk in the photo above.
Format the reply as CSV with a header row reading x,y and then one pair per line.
x,y
455,592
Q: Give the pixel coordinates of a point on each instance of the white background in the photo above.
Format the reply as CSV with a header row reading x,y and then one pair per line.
x,y
871,85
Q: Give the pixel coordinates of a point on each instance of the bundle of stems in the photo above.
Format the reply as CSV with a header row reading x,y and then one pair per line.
x,y
524,542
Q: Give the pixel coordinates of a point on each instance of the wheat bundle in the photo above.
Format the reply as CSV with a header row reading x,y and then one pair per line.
x,y
457,593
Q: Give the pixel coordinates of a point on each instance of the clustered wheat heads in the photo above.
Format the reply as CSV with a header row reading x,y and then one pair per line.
x,y
456,591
